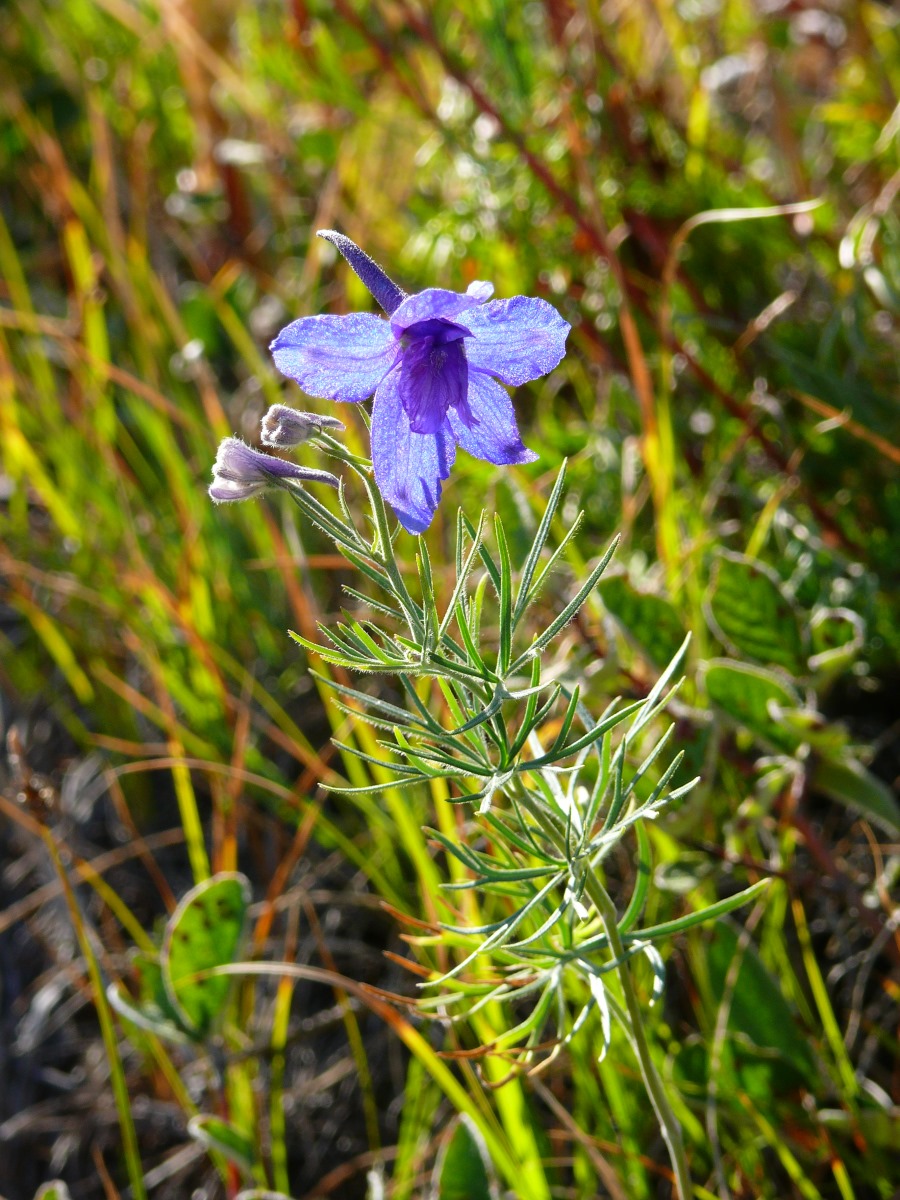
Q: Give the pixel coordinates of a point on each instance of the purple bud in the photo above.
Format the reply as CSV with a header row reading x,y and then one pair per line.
x,y
240,472
385,291
284,427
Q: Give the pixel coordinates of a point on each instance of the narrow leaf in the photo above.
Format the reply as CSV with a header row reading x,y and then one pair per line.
x,y
537,546
505,617
659,933
569,611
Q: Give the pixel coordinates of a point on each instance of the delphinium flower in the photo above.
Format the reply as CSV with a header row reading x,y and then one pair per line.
x,y
240,472
433,368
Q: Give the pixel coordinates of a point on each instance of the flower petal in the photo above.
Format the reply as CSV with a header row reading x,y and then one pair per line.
x,y
340,358
409,466
432,377
240,463
486,425
437,303
517,339
481,289
225,491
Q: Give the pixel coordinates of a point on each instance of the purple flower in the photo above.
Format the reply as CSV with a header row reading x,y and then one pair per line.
x,y
433,368
240,472
284,427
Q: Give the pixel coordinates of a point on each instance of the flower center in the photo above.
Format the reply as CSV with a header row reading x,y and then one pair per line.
x,y
437,330
434,374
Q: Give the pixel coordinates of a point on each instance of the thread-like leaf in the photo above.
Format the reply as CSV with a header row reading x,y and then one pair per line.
x,y
485,555
550,565
429,604
593,735
504,652
463,570
668,929
643,870
537,546
569,611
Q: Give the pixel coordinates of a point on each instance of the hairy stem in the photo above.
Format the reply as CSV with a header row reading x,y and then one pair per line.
x,y
389,561
554,830
668,1122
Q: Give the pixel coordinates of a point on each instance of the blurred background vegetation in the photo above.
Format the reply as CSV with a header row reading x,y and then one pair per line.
x,y
728,404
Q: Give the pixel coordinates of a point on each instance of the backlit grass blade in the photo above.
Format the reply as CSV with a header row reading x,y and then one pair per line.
x,y
110,1045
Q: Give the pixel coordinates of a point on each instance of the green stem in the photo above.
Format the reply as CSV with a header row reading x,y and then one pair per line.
x,y
409,606
345,537
668,1122
554,830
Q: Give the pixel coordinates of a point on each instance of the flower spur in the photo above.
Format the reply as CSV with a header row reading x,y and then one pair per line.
x,y
434,368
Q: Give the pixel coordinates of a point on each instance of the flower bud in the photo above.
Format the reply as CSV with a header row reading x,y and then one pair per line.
x,y
240,472
284,427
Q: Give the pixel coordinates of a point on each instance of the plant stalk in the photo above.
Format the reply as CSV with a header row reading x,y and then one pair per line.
x,y
668,1122
554,830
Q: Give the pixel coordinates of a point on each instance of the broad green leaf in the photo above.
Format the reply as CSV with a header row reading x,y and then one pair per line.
x,y
463,1170
846,780
220,1135
770,1050
748,611
836,637
204,932
651,620
825,737
147,1017
752,696
152,1011
54,1190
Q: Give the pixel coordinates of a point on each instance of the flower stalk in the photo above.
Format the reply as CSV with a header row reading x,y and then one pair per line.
x,y
635,1028
668,1122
